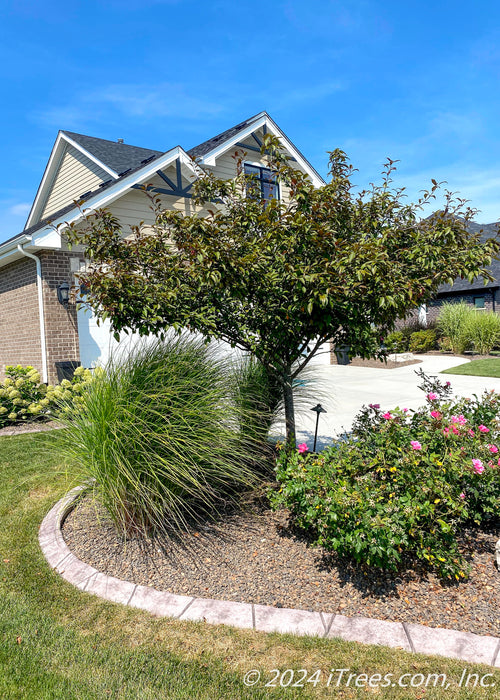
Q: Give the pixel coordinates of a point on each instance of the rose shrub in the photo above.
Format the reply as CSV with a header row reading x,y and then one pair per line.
x,y
24,398
403,484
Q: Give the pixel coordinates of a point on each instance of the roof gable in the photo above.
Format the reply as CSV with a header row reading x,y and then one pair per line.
x,y
208,151
109,160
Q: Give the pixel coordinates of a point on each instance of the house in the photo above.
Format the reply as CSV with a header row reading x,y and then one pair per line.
x,y
38,326
475,293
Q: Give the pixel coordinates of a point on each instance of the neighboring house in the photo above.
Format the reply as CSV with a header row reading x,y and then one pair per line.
x,y
36,266
476,293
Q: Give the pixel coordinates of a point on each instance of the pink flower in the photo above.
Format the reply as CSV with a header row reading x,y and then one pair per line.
x,y
373,405
454,419
478,466
448,383
436,415
446,431
455,430
387,415
405,410
416,445
432,396
493,448
302,448
484,429
462,495
462,419
471,433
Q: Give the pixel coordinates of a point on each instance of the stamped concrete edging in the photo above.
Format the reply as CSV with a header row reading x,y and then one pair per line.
x,y
466,646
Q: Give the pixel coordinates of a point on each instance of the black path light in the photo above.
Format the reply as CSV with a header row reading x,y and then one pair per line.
x,y
317,409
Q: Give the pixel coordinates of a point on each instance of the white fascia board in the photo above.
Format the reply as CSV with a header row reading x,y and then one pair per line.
x,y
91,157
54,160
210,158
119,188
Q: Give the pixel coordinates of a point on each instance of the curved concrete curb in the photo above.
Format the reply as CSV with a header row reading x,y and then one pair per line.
x,y
469,647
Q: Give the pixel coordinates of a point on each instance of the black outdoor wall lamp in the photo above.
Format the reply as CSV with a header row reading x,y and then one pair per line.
x,y
63,294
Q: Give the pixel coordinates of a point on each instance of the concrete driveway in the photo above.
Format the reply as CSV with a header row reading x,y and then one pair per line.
x,y
344,390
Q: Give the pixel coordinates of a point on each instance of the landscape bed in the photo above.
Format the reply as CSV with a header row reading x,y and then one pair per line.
x,y
254,556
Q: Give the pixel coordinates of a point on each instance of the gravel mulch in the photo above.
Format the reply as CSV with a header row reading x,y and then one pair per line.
x,y
254,556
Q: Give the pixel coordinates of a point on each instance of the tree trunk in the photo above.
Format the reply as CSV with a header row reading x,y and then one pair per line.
x,y
289,410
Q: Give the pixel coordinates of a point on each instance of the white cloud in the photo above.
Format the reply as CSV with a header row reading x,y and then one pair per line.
x,y
146,101
21,209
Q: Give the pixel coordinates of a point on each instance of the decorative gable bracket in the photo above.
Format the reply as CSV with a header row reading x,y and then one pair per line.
x,y
175,189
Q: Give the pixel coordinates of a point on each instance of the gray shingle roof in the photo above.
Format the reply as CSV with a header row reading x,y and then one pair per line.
x,y
117,156
459,285
212,143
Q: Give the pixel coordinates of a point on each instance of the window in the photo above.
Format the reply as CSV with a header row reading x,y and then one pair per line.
x,y
479,302
262,183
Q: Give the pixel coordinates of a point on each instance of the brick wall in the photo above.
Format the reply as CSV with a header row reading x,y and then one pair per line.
x,y
19,319
60,322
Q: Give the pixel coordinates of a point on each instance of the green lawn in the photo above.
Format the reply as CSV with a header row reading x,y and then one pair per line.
x,y
57,642
477,368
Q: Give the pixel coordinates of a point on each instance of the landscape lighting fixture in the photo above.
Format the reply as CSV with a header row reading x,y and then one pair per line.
x,y
317,409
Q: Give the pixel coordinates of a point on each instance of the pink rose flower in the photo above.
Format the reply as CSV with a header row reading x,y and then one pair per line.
x,y
373,405
455,430
302,448
432,396
405,410
478,466
448,383
446,431
471,433
454,419
484,429
462,419
436,415
416,445
462,495
387,415
493,448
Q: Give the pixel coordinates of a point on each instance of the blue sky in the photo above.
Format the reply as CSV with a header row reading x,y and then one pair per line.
x,y
414,81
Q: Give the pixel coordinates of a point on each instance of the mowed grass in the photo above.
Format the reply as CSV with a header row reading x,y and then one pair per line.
x,y
57,642
477,368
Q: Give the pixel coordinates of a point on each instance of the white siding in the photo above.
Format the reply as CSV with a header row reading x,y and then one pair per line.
x,y
75,176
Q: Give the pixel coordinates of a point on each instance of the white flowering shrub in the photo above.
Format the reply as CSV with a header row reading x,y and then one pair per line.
x,y
23,397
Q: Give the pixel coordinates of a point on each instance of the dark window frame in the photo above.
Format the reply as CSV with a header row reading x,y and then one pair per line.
x,y
264,178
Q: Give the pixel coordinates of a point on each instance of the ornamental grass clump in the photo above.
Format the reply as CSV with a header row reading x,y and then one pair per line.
x,y
452,324
482,328
158,433
404,485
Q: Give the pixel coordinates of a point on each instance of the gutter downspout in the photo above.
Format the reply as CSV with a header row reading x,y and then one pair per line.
x,y
41,313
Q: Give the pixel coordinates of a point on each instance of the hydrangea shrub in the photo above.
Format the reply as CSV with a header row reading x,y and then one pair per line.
x,y
23,397
403,485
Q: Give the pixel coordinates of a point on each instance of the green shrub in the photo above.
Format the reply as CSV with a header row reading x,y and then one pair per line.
x,y
482,329
452,322
423,341
395,342
24,398
403,485
158,431
444,344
